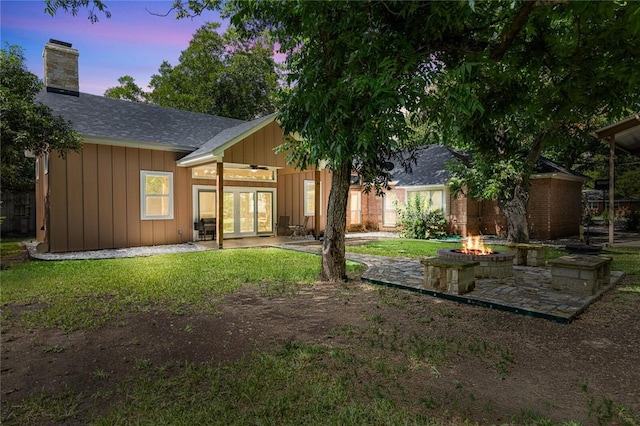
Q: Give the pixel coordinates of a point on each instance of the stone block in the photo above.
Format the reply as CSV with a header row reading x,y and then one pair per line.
x,y
448,275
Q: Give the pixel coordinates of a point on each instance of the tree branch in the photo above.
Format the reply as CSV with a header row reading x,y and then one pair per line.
x,y
514,29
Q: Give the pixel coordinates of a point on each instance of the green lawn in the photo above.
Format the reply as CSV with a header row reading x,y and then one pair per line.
x,y
298,383
9,247
72,293
419,248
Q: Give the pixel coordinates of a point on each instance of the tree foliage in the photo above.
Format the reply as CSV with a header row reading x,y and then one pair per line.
x,y
352,72
217,74
26,125
94,7
555,73
127,90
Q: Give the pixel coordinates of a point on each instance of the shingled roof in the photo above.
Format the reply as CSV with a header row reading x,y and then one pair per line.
x,y
136,123
431,167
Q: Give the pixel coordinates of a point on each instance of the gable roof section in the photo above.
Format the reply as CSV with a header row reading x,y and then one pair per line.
x,y
214,147
119,122
431,167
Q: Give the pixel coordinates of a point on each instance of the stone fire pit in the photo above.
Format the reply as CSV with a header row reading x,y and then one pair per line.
x,y
498,264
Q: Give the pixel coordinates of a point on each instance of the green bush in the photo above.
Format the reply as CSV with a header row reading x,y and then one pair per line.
x,y
421,222
633,221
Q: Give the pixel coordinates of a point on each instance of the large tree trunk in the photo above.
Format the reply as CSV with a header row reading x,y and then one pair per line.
x,y
515,209
333,257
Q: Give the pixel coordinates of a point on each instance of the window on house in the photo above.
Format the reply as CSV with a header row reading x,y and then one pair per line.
x,y
310,198
355,203
207,171
37,168
46,163
389,216
434,198
156,195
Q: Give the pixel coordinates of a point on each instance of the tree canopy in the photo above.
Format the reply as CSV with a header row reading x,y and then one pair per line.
x,y
217,74
559,71
26,125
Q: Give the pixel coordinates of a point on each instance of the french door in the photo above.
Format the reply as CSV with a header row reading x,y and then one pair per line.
x,y
248,212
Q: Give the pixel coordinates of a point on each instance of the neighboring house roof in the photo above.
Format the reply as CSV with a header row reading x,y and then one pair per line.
x,y
134,123
431,167
215,146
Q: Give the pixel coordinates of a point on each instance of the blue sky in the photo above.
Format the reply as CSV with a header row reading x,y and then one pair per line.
x,y
132,42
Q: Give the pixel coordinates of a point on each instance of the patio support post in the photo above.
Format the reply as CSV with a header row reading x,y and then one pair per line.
x,y
612,154
316,218
219,202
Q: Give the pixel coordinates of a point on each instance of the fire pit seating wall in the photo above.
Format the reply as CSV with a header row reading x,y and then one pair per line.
x,y
581,274
494,265
454,276
528,254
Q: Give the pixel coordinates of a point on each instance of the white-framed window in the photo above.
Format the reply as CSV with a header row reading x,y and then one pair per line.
x,y
390,214
309,195
433,198
46,163
156,195
37,168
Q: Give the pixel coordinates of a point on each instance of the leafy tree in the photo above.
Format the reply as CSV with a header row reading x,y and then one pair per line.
x,y
555,73
74,6
26,125
351,71
217,74
128,90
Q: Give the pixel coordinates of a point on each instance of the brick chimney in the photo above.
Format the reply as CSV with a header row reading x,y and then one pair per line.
x,y
61,68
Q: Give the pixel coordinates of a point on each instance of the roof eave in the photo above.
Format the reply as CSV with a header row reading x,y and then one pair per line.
x,y
219,151
197,160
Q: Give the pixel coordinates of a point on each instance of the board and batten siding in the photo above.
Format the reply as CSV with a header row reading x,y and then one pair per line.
x,y
258,148
94,199
291,194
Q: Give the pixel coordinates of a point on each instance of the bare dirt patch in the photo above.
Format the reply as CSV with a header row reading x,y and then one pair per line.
x,y
485,365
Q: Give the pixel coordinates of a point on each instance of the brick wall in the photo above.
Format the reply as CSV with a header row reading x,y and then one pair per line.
x,y
554,211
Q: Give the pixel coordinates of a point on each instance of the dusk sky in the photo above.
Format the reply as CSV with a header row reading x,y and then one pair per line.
x,y
132,42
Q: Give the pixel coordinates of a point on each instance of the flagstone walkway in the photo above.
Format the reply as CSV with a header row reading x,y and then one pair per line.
x,y
528,292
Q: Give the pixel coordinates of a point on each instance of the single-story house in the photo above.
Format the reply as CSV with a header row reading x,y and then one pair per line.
x,y
554,208
147,175
597,201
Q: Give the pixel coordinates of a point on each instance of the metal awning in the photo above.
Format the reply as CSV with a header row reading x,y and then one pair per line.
x,y
624,135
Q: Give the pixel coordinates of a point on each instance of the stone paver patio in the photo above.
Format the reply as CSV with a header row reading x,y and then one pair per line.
x,y
528,292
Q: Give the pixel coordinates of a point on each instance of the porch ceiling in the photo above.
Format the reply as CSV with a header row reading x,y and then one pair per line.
x,y
626,134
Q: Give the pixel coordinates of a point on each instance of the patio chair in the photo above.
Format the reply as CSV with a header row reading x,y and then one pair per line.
x,y
282,227
300,230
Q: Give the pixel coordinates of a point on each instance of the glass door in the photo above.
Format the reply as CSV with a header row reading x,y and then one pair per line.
x,y
229,207
248,212
265,212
